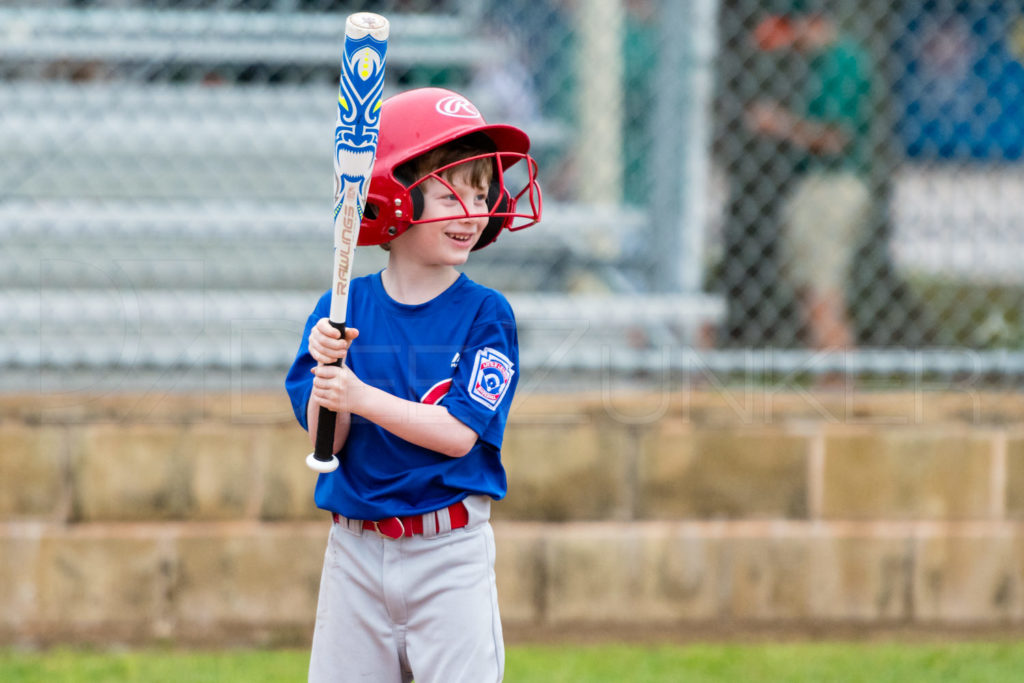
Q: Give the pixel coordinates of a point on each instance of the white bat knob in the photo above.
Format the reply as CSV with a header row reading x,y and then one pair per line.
x,y
323,466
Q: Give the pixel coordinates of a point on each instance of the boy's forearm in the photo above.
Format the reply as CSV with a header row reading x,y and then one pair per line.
x,y
341,426
429,426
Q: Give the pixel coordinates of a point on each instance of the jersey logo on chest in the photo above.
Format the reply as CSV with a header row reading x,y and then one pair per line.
x,y
435,393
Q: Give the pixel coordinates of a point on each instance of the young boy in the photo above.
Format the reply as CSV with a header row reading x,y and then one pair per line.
x,y
430,366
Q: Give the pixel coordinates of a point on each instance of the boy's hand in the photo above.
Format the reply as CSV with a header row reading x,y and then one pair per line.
x,y
334,387
326,344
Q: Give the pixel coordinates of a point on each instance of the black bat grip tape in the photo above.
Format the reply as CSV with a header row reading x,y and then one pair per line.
x,y
324,448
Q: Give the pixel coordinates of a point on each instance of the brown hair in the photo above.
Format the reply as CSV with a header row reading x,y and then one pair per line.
x,y
478,172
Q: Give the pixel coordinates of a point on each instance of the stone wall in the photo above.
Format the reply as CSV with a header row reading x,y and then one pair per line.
x,y
142,518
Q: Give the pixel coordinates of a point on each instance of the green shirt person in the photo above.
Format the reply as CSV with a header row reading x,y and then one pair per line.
x,y
829,127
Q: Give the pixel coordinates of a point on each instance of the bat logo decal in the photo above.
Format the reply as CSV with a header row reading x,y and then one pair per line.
x,y
360,91
359,94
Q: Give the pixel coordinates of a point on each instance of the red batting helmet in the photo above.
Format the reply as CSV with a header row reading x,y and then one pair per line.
x,y
417,121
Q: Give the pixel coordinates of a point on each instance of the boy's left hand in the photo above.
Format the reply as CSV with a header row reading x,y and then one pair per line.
x,y
334,387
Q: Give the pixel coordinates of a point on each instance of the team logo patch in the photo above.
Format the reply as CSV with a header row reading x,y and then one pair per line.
x,y
458,106
491,378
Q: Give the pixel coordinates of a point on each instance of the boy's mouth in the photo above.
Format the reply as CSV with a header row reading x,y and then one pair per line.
x,y
463,238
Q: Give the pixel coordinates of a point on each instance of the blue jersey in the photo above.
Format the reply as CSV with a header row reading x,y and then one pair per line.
x,y
459,350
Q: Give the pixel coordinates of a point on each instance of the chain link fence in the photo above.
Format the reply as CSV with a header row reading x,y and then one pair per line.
x,y
869,155
732,188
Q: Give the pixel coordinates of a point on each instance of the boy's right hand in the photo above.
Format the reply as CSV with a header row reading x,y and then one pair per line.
x,y
326,344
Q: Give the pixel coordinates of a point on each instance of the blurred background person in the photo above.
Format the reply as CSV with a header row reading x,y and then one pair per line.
x,y
828,125
760,169
809,130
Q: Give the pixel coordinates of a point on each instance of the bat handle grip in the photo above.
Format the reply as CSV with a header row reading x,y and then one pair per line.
x,y
322,459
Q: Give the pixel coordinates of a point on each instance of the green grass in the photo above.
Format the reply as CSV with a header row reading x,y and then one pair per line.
x,y
811,662
81,666
972,315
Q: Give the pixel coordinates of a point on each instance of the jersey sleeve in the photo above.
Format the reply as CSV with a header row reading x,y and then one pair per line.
x,y
487,374
299,381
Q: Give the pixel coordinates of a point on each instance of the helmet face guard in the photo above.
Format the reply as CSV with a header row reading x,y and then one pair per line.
x,y
507,209
418,121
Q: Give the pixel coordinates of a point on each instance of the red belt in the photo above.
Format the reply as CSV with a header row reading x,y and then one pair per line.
x,y
397,527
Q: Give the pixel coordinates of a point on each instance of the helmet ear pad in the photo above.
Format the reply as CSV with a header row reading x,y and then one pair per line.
x,y
498,203
416,198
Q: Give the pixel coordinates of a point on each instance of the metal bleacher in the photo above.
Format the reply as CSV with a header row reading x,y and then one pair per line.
x,y
176,233
129,35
